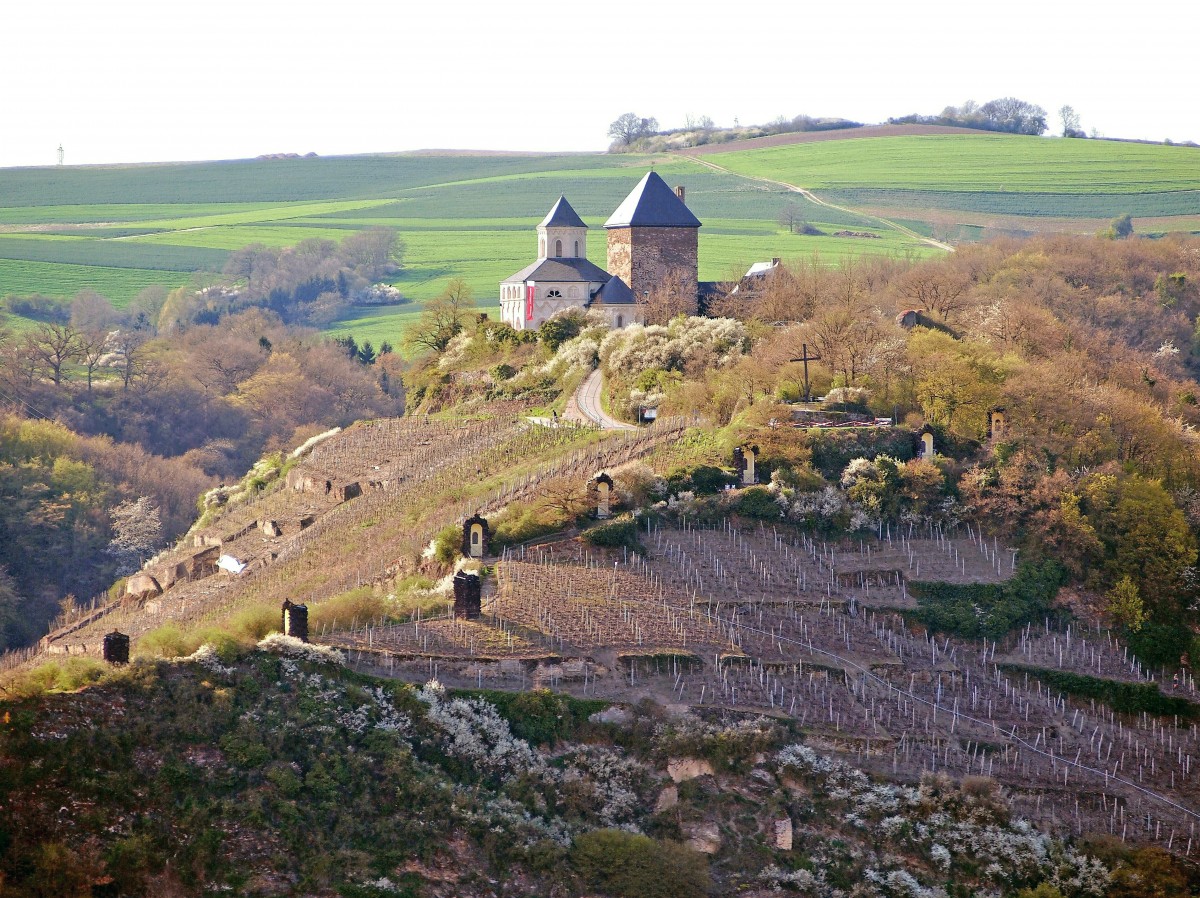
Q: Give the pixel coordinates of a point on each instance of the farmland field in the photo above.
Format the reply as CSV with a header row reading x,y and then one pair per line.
x,y
972,175
1000,163
118,229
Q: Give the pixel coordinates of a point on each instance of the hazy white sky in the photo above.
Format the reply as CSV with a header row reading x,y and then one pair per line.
x,y
149,80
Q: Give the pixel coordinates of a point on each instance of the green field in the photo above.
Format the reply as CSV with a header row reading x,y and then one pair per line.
x,y
118,229
1000,173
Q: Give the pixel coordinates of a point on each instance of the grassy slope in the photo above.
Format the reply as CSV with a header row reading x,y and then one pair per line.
x,y
468,216
989,174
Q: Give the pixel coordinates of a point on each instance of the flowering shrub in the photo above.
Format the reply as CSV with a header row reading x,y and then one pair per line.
x,y
725,745
682,345
946,824
206,656
611,781
291,647
472,730
308,445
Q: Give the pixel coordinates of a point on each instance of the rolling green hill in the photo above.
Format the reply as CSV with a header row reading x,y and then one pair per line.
x,y
118,229
992,180
459,215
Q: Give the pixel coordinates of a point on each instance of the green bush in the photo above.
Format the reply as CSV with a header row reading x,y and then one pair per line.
x,y
540,716
832,450
1129,698
615,535
502,372
628,865
1159,644
168,641
349,609
702,480
757,502
988,609
257,621
520,523
66,675
447,545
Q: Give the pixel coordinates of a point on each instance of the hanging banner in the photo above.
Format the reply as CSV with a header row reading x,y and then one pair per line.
x,y
529,290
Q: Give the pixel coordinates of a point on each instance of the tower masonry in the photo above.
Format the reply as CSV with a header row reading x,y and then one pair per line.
x,y
653,239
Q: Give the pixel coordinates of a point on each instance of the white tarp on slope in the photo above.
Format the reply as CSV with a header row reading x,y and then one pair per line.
x,y
231,564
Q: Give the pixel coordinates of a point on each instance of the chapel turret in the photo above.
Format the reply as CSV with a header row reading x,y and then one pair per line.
x,y
653,239
562,233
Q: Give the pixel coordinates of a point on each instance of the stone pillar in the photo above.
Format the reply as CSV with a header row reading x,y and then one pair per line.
x,y
295,620
116,648
468,595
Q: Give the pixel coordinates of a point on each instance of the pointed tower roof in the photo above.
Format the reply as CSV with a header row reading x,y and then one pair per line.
x,y
652,204
561,215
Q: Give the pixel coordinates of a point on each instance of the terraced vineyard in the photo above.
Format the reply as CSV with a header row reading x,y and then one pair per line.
x,y
833,654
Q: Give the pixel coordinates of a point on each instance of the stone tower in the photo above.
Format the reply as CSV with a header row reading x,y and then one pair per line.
x,y
562,233
653,236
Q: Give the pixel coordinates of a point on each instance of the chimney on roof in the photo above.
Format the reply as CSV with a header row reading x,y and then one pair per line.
x,y
679,193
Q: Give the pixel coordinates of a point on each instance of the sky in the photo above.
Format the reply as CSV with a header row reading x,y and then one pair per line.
x,y
165,80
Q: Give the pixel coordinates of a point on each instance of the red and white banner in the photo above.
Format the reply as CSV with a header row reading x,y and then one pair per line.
x,y
529,290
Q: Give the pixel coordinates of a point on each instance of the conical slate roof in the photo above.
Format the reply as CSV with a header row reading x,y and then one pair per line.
x,y
615,292
561,215
652,204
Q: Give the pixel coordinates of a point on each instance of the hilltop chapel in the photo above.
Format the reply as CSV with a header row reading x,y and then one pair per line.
x,y
651,236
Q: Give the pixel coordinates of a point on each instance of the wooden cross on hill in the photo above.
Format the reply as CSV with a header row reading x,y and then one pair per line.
x,y
806,358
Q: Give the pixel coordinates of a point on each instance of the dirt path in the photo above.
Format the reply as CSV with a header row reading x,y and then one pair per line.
x,y
813,198
587,400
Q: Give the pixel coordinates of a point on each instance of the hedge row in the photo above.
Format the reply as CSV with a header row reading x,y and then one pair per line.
x,y
1129,698
975,610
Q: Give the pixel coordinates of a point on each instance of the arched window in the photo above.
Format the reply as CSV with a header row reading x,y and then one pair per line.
x,y
542,247
620,321
557,247
553,294
576,249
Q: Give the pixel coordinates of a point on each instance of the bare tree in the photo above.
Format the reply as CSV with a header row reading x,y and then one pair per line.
x,y
442,318
937,288
629,127
54,346
127,344
564,495
669,298
1070,122
93,349
374,252
137,533
90,311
